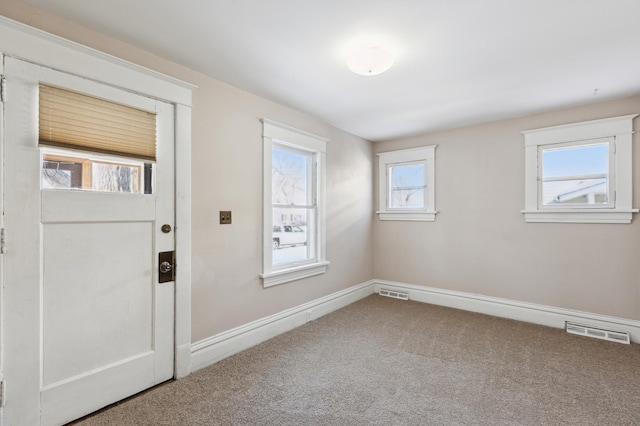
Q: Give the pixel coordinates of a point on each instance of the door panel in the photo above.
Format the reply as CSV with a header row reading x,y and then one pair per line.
x,y
86,321
80,268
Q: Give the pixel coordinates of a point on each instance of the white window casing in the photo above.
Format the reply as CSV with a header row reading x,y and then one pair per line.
x,y
276,134
406,157
617,134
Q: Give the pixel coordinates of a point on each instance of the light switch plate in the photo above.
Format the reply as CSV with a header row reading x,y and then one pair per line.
x,y
225,217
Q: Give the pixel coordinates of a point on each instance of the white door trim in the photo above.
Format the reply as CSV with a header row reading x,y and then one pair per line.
x,y
31,44
24,42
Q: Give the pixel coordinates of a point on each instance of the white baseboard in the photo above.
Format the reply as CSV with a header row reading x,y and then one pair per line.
x,y
213,349
505,308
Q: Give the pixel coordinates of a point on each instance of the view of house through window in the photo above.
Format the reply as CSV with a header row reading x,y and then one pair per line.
x,y
576,175
406,186
293,204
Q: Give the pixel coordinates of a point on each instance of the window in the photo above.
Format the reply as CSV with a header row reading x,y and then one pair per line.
x,y
406,184
576,175
579,172
74,170
94,144
294,165
292,203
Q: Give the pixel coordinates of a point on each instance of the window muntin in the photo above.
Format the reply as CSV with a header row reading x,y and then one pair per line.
x,y
576,175
293,204
407,186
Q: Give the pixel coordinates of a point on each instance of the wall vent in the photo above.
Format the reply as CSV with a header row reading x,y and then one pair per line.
x,y
597,333
393,294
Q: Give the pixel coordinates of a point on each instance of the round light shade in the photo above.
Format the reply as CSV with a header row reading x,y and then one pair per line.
x,y
370,60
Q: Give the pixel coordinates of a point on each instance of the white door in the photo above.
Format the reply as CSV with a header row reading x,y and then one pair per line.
x,y
86,322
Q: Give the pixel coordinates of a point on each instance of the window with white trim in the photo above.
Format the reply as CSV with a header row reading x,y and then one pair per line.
x,y
580,172
407,184
294,213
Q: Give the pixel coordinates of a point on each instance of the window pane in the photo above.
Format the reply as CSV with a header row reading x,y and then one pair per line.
x,y
55,178
61,174
291,177
110,177
292,235
575,175
406,186
62,171
578,191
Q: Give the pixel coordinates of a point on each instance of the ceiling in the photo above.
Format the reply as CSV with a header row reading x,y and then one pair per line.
x,y
458,62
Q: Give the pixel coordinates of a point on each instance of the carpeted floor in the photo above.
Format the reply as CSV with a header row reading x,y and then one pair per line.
x,y
382,361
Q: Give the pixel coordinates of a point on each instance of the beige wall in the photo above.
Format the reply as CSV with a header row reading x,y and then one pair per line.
x,y
227,175
480,243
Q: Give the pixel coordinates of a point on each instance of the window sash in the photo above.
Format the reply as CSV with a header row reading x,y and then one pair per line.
x,y
308,174
577,190
391,188
72,120
310,190
284,262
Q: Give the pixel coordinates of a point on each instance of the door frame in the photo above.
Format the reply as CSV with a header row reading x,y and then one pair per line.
x,y
33,45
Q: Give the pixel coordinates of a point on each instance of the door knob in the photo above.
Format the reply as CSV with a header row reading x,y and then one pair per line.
x,y
165,267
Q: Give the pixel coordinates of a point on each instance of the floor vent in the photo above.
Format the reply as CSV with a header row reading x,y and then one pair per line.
x,y
394,294
598,333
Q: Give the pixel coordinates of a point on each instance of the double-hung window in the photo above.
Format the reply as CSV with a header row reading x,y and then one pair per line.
x,y
407,184
294,167
579,172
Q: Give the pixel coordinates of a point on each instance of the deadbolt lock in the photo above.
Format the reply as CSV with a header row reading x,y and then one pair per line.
x,y
166,266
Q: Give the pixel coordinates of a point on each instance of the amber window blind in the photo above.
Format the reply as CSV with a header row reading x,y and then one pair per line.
x,y
76,121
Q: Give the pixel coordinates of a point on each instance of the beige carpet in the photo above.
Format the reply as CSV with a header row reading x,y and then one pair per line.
x,y
382,361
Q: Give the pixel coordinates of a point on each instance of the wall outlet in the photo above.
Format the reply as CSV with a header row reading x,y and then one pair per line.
x,y
225,217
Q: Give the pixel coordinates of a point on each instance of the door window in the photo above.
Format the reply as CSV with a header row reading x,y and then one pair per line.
x,y
72,170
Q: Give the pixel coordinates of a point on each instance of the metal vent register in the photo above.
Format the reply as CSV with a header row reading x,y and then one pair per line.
x,y
393,294
598,333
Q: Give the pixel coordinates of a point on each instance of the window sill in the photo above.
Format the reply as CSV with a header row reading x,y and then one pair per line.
x,y
408,216
292,274
579,216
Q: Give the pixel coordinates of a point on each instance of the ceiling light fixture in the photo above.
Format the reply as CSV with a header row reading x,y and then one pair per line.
x,y
369,59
